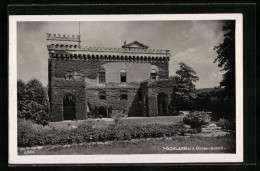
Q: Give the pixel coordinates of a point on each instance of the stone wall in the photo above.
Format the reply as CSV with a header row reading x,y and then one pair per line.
x,y
136,71
151,89
131,105
87,93
88,69
153,97
61,87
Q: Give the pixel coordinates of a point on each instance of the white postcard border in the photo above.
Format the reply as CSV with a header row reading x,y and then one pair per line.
x,y
14,158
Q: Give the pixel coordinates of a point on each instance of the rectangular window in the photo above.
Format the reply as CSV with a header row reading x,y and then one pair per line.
x,y
123,94
102,77
102,95
153,76
123,77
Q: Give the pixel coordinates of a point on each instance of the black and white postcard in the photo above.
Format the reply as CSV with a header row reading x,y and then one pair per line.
x,y
89,89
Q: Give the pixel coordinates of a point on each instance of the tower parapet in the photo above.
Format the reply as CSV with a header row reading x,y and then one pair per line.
x,y
62,37
65,39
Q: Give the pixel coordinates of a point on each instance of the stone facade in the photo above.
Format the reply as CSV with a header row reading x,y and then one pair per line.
x,y
105,80
157,97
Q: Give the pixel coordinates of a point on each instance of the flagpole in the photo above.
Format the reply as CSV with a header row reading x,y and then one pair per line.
x,y
79,34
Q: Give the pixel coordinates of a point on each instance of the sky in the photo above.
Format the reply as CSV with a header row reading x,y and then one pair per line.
x,y
191,42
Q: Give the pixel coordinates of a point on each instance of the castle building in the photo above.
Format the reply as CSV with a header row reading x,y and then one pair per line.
x,y
105,81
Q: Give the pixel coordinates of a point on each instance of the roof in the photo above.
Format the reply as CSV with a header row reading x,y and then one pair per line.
x,y
135,44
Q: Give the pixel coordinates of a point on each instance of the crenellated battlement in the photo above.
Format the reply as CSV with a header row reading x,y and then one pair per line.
x,y
64,46
67,46
62,37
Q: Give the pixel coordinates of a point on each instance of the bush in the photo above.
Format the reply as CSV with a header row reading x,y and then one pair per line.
x,y
32,102
117,117
226,124
30,134
196,119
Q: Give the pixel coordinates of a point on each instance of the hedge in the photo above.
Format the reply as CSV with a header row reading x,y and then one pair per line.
x,y
29,136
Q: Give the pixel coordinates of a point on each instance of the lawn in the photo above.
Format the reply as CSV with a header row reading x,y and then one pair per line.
x,y
163,120
178,144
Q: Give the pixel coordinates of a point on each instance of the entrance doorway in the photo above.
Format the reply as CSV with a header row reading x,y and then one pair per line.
x,y
103,112
69,107
162,104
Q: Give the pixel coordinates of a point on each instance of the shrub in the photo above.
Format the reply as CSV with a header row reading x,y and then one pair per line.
x,y
117,117
226,124
30,134
196,119
32,102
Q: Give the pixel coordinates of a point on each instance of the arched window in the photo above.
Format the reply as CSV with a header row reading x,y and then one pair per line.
x,y
153,74
123,76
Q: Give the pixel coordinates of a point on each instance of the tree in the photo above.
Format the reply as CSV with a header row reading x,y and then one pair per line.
x,y
21,98
219,106
211,101
32,102
184,91
226,60
35,92
203,101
